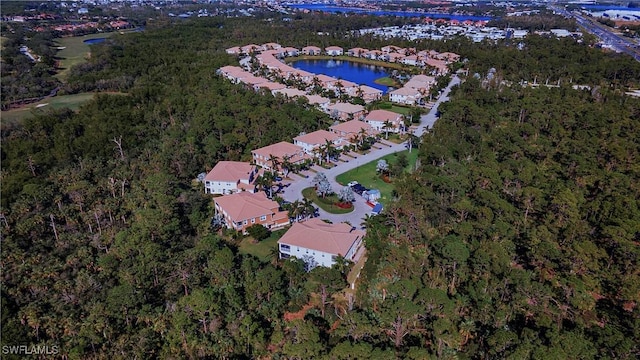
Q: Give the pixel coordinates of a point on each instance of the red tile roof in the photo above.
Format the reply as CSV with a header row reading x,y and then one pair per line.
x,y
230,171
315,234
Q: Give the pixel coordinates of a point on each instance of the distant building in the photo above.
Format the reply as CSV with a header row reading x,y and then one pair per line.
x,y
314,140
333,50
377,119
345,111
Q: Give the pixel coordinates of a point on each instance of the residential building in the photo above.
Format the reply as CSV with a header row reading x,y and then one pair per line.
x,y
319,244
314,140
351,130
263,157
345,111
405,95
311,50
333,50
243,209
229,177
378,118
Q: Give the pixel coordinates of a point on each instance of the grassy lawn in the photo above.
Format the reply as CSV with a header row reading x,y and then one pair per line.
x,y
386,81
70,101
327,203
367,176
262,249
75,51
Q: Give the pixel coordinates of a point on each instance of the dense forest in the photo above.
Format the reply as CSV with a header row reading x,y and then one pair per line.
x,y
517,237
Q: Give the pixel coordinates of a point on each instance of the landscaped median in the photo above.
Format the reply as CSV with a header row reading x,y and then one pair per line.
x,y
367,175
329,203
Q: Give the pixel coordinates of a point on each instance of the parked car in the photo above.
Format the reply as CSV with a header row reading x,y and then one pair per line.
x,y
278,178
351,184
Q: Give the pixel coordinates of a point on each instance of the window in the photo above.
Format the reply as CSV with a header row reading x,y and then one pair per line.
x,y
245,222
253,220
263,217
285,247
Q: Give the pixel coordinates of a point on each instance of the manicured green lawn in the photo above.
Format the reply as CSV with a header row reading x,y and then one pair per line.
x,y
386,81
263,249
327,203
70,101
367,176
75,51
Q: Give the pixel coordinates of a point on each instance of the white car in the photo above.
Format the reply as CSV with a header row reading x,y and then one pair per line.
x,y
352,183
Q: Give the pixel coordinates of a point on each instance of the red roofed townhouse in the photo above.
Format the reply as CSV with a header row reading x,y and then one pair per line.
x,y
395,57
244,209
229,177
234,50
421,82
311,50
377,119
345,111
270,86
233,73
367,93
271,46
405,95
318,243
319,101
333,50
314,140
262,157
390,49
440,66
357,52
250,49
352,129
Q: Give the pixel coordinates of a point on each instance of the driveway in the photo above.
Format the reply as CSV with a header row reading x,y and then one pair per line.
x,y
294,191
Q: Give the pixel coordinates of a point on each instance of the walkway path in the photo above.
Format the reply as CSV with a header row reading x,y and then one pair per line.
x,y
294,191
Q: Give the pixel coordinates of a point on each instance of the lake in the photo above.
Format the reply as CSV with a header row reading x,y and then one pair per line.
x,y
340,9
94,41
358,73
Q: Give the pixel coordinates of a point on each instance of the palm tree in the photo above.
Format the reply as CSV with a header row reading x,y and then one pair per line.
x,y
387,126
275,162
286,165
296,210
329,149
265,181
308,208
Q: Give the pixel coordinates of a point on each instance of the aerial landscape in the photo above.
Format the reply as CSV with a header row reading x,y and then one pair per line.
x,y
320,179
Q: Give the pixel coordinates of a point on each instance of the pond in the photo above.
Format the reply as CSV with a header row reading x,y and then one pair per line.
x,y
358,73
94,41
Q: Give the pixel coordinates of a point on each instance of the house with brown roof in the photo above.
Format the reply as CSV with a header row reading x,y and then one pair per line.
x,y
318,243
243,209
314,140
367,93
333,50
405,95
278,151
345,111
350,130
311,50
357,52
229,177
378,118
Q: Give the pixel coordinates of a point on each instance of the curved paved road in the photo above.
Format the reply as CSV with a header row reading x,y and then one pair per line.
x,y
294,191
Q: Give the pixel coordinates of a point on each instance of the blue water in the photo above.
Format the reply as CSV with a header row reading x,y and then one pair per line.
x,y
94,41
339,9
361,74
607,7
